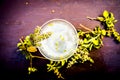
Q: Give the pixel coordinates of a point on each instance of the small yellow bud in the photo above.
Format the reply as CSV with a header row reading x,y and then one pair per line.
x,y
31,49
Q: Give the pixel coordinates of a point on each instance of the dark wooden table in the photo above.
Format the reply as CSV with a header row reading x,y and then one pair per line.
x,y
20,17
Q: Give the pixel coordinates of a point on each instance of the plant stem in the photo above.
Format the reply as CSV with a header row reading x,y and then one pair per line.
x,y
94,38
30,59
91,18
38,57
85,27
109,31
21,41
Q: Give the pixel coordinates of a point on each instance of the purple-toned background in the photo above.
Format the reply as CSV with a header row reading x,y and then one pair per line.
x,y
20,17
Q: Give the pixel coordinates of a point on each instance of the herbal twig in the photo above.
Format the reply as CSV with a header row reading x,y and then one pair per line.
x,y
30,59
90,18
85,27
38,57
93,38
21,41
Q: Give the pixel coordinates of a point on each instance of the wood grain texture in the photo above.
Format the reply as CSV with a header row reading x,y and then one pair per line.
x,y
20,17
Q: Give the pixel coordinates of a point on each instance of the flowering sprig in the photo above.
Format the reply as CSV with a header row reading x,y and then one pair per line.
x,y
28,46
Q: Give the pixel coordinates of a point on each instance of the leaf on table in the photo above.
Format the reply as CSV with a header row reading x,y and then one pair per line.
x,y
95,42
100,18
103,32
105,13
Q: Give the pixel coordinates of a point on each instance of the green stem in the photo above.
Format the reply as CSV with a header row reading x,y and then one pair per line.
x,y
109,31
30,59
93,38
38,57
21,41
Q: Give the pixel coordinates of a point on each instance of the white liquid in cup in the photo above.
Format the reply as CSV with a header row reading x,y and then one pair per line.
x,y
63,41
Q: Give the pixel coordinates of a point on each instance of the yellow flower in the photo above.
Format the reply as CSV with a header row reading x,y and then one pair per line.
x,y
31,49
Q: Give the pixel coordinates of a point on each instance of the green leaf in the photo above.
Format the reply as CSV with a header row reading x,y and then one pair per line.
x,y
86,45
90,47
63,62
108,34
87,35
105,13
97,46
80,33
85,40
109,24
27,55
100,18
91,60
31,69
103,32
118,38
111,16
95,42
19,44
115,34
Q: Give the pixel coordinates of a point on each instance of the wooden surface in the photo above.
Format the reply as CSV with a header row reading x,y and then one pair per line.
x,y
20,17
